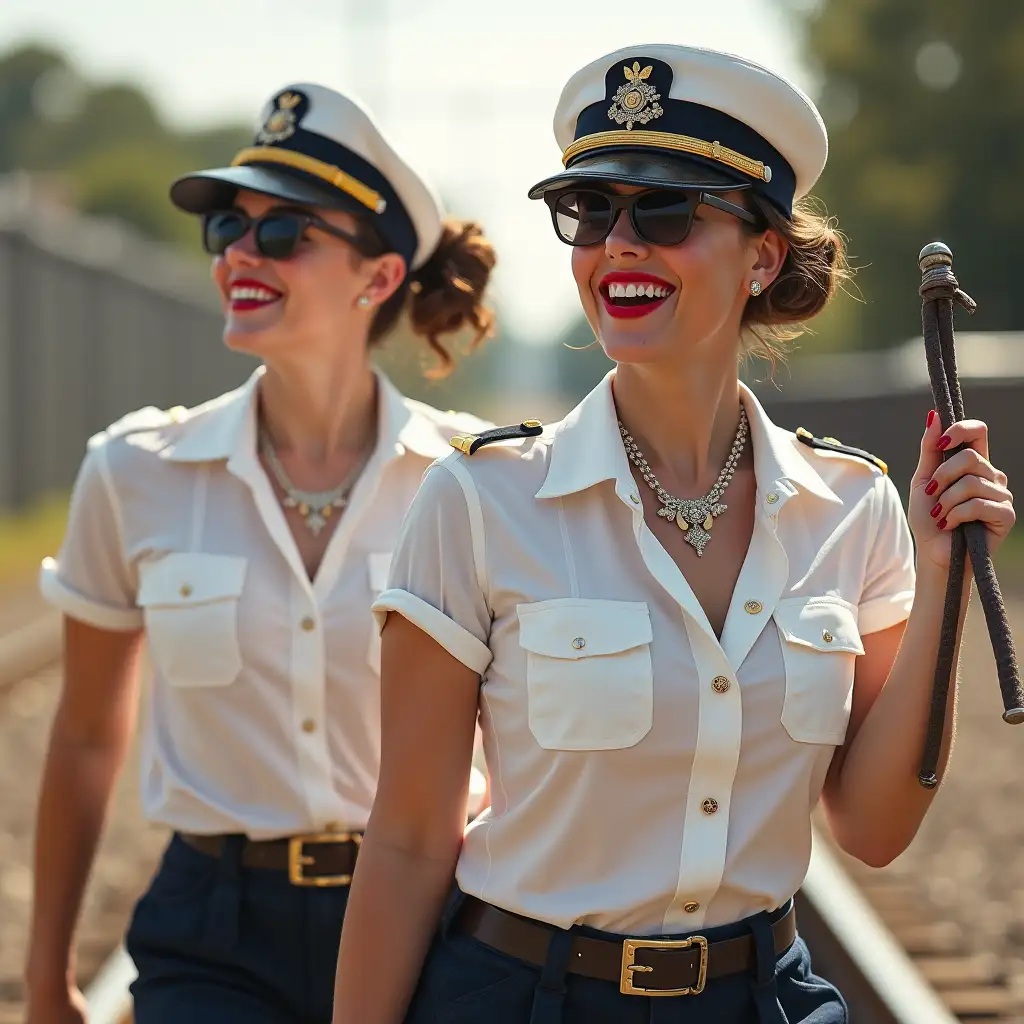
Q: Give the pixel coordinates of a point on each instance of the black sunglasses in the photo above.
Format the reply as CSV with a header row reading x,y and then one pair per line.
x,y
659,216
277,232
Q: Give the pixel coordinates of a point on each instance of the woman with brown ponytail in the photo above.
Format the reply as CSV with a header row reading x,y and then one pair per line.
x,y
245,541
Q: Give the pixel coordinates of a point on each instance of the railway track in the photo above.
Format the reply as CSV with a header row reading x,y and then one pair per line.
x,y
897,957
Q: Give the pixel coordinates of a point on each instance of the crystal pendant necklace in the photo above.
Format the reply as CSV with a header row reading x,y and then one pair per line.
x,y
694,516
315,507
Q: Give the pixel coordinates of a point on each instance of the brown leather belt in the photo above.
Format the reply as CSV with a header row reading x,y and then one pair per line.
x,y
321,859
640,967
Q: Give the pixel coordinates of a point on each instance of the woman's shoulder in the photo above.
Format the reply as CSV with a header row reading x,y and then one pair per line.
x,y
147,433
502,460
851,473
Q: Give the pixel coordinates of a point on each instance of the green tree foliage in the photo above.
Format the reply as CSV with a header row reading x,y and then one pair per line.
x,y
21,72
106,143
924,100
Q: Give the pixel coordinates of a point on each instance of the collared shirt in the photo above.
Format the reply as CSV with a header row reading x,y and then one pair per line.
x,y
647,777
265,708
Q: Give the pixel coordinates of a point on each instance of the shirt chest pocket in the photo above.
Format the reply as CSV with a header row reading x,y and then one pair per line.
x,y
190,603
589,680
378,565
820,644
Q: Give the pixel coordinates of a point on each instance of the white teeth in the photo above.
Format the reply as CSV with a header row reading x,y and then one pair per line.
x,y
633,291
252,294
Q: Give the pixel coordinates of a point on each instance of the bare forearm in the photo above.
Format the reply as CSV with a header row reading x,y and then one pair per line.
x,y
393,910
77,785
878,802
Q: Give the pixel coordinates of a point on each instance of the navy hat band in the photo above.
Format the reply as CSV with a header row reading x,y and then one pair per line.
x,y
667,140
313,154
318,168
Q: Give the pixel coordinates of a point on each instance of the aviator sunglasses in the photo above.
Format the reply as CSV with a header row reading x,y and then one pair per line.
x,y
277,233
659,216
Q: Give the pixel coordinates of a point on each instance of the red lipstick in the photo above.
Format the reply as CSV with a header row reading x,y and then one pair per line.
x,y
247,293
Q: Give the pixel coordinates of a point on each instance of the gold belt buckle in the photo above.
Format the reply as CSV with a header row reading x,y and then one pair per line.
x,y
298,860
629,947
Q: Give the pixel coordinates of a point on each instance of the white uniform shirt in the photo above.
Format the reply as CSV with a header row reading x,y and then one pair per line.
x,y
645,777
265,709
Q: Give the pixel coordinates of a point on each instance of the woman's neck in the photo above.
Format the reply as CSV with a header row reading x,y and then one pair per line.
x,y
317,413
683,419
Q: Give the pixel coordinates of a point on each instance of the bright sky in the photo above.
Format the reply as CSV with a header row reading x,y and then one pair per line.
x,y
467,88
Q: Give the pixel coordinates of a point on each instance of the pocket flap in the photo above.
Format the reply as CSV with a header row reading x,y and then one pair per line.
x,y
578,628
379,567
826,624
181,579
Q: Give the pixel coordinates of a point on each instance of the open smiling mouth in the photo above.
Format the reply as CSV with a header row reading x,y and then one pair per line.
x,y
628,296
247,294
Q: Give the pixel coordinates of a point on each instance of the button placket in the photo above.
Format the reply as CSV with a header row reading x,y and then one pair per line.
x,y
309,709
716,757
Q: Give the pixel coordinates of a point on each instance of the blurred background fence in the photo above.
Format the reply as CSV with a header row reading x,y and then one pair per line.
x,y
93,322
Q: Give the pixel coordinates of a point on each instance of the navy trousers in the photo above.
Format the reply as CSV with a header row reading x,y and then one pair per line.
x,y
216,943
466,981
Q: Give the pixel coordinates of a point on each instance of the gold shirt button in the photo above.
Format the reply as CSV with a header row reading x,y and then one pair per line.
x,y
309,725
771,497
753,607
186,590
827,636
308,624
579,643
720,684
635,498
691,907
710,806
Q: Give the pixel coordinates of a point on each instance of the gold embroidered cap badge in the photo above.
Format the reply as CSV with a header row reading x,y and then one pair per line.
x,y
636,101
281,122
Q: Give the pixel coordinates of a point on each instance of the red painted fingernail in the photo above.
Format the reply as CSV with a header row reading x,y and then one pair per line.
x,y
932,487
931,417
935,511
944,442
942,523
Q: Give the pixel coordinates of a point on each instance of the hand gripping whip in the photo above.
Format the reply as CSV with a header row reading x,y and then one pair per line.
x,y
939,290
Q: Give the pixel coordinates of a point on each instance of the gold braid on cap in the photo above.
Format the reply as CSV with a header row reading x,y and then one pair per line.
x,y
668,140
318,168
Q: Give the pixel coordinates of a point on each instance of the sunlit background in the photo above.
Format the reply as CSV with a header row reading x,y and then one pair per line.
x,y
105,304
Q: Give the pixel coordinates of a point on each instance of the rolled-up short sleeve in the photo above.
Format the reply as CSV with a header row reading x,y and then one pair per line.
x,y
90,578
437,579
888,593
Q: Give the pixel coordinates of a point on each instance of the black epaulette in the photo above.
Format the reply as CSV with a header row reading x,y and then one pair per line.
x,y
830,444
470,443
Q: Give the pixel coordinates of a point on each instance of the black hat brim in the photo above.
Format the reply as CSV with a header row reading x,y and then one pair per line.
x,y
645,170
216,189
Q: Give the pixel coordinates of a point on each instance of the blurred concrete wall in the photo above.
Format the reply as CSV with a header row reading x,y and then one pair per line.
x,y
94,322
879,400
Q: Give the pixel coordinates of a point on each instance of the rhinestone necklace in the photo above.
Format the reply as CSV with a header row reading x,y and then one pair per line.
x,y
694,516
315,507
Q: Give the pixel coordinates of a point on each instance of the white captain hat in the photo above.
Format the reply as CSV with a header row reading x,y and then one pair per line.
x,y
317,146
665,115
